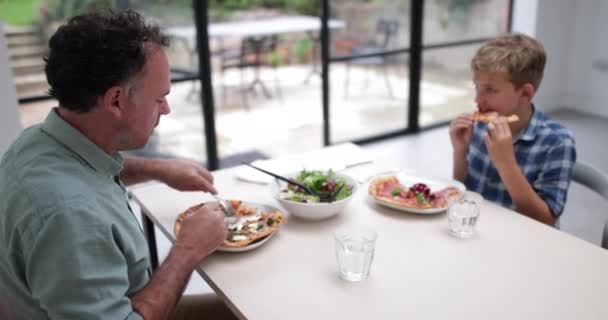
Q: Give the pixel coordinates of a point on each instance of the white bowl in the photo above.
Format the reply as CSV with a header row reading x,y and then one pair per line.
x,y
313,211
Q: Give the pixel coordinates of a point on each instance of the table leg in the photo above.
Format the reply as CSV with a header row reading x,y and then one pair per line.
x,y
151,238
258,46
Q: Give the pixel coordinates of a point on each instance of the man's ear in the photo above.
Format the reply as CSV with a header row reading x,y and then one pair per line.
x,y
527,91
116,100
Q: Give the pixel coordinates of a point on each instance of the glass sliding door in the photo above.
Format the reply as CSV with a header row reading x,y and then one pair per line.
x,y
266,83
390,71
368,78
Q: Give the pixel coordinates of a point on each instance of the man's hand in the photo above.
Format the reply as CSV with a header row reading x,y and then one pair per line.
x,y
183,175
202,231
186,175
461,130
500,144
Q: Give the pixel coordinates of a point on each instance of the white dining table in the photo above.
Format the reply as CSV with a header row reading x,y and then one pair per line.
x,y
512,268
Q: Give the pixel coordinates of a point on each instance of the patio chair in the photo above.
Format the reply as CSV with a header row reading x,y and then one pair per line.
x,y
386,29
595,180
252,54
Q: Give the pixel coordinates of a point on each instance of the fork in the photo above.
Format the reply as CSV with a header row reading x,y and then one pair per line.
x,y
332,197
226,207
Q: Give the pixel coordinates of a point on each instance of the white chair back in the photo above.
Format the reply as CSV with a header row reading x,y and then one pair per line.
x,y
596,180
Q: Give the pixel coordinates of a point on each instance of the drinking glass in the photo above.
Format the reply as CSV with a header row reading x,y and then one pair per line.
x,y
355,252
462,217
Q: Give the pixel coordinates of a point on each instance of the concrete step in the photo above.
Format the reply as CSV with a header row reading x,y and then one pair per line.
x,y
39,90
27,66
24,52
23,40
11,31
29,83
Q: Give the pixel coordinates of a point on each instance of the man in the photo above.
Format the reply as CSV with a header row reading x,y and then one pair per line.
x,y
70,247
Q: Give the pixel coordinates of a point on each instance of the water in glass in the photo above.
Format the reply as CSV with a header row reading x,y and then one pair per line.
x,y
462,217
355,253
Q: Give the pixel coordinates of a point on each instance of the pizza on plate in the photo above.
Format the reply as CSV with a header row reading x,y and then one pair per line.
x,y
254,223
418,196
487,117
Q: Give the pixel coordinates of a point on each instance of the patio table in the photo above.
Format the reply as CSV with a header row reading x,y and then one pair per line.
x,y
262,27
513,268
249,28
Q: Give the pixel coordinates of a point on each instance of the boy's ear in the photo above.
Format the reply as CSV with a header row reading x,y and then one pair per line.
x,y
116,100
528,91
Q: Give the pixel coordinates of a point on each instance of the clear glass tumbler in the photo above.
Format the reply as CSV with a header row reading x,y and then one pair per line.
x,y
462,217
355,252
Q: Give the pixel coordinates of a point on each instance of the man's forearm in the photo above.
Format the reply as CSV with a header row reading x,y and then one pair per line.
x,y
158,299
137,169
525,198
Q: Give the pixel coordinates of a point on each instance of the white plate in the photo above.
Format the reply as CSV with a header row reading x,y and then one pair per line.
x,y
408,179
251,246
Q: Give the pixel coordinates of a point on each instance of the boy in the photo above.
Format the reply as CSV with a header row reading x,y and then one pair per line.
x,y
520,158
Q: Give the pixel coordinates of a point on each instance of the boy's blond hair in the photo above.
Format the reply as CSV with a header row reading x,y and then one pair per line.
x,y
521,57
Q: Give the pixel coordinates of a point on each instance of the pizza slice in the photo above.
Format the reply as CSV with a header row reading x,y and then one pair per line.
x,y
253,224
249,231
419,196
487,117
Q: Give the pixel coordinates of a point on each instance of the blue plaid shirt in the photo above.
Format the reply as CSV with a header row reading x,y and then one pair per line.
x,y
544,151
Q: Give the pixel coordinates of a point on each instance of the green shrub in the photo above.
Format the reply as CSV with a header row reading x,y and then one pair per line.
x,y
18,13
224,8
60,10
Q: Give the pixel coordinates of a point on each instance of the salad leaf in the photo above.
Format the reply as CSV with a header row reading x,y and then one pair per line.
x,y
421,199
396,192
322,183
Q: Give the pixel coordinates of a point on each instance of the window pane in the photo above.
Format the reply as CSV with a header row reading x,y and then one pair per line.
x,y
369,96
266,77
368,99
453,20
446,89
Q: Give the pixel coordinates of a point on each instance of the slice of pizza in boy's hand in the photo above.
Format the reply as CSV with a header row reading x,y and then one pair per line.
x,y
418,195
254,224
487,117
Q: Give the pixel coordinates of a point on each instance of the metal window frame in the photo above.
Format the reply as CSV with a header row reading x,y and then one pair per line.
x,y
416,50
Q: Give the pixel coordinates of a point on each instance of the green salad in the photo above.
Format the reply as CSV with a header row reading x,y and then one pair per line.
x,y
323,184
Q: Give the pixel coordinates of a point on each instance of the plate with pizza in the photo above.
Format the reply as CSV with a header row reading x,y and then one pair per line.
x,y
411,193
255,225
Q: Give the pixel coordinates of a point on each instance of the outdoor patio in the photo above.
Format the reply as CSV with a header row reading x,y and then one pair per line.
x,y
292,120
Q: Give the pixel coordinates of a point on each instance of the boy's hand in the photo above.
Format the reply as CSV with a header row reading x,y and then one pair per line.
x,y
500,144
461,130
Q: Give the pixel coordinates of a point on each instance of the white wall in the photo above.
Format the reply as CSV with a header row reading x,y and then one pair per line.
x,y
554,26
524,16
10,124
593,62
573,33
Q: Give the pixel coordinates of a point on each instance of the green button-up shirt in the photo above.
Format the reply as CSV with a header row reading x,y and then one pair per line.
x,y
70,248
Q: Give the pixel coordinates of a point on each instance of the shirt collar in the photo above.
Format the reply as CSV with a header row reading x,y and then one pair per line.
x,y
74,140
533,127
